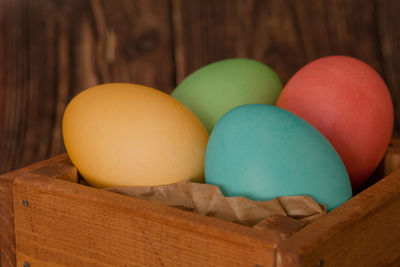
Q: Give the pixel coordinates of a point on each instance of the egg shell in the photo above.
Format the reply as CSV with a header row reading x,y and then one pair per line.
x,y
131,135
262,152
213,90
349,103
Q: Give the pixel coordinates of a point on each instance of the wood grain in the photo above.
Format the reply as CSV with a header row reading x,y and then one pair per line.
x,y
283,34
391,161
339,27
61,168
7,233
51,50
64,224
283,225
345,236
74,225
389,35
287,34
207,31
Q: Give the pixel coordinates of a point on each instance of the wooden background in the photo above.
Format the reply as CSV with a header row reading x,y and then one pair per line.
x,y
52,49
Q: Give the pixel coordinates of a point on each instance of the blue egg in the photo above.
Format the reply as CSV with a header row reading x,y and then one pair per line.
x,y
261,152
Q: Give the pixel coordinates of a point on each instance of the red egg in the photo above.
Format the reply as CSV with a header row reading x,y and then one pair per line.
x,y
349,103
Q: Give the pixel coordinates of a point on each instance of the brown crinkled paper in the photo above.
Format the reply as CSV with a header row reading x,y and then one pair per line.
x,y
208,200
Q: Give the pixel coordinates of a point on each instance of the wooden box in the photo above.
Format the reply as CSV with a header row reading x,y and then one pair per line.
x,y
54,222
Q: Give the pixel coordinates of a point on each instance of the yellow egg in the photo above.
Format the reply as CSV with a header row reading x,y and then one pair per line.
x,y
122,134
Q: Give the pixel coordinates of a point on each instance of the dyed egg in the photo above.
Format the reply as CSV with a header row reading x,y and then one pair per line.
x,y
131,135
262,152
349,103
217,88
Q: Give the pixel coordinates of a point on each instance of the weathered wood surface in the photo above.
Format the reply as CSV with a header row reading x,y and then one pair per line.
x,y
67,224
204,240
7,227
51,50
73,225
364,231
255,246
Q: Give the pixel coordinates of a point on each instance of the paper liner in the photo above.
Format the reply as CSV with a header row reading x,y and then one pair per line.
x,y
208,200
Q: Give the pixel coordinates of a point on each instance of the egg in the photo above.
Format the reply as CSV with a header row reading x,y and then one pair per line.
x,y
349,103
131,135
261,152
213,90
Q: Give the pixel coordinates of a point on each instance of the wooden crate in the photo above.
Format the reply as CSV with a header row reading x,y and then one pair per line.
x,y
53,222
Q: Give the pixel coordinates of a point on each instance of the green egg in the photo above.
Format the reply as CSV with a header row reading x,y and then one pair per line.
x,y
213,90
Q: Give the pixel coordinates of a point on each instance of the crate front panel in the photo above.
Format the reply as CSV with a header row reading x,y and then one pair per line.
x,y
68,224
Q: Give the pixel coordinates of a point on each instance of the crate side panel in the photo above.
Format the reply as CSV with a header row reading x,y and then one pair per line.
x,y
74,229
7,234
7,239
365,231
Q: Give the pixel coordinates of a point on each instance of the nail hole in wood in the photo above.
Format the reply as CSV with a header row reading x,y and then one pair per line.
x,y
26,204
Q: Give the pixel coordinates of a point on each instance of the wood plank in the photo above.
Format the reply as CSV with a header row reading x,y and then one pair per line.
x,y
3,74
283,34
63,170
114,230
60,167
288,34
364,231
283,225
29,36
51,50
339,27
7,234
391,162
388,25
7,238
143,41
207,31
